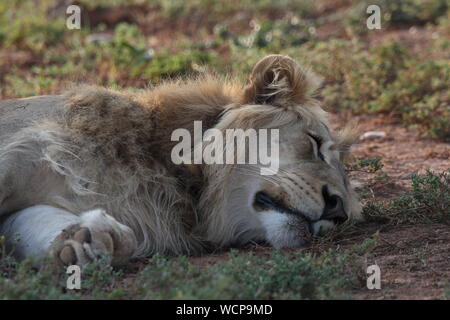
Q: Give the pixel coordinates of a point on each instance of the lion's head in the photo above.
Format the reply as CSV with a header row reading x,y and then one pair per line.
x,y
309,193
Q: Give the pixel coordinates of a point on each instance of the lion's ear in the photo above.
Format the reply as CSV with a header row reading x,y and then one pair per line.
x,y
279,80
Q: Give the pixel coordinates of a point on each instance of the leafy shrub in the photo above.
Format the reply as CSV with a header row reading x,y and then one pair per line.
x,y
386,79
22,280
246,276
181,8
428,201
26,25
396,12
127,57
243,275
421,94
277,34
365,165
414,11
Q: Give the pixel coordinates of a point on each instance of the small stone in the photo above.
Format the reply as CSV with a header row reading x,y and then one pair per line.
x,y
99,37
370,135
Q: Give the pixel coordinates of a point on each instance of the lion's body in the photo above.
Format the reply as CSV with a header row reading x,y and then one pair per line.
x,y
113,152
97,148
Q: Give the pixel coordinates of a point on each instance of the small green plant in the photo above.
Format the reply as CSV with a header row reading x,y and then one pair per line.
x,y
22,280
278,34
396,13
26,25
428,201
369,165
25,282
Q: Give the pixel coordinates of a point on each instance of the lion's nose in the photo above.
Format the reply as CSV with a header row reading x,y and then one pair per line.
x,y
334,207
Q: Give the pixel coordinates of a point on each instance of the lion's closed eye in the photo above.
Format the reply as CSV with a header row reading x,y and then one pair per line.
x,y
316,142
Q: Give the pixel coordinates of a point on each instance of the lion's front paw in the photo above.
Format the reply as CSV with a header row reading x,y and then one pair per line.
x,y
98,235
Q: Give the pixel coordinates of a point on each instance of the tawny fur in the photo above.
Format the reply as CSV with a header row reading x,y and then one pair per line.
x,y
112,150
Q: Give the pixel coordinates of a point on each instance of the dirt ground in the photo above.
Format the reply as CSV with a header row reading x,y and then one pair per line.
x,y
414,260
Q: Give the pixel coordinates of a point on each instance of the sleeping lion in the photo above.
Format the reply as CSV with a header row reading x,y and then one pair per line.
x,y
89,174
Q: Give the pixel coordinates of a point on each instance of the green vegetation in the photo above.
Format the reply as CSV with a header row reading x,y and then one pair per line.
x,y
406,11
139,43
244,275
39,55
365,165
427,202
389,79
247,276
23,281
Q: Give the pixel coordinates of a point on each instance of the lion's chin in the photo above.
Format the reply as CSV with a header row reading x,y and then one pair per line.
x,y
282,230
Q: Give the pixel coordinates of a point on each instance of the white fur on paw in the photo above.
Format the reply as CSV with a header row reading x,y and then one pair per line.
x,y
98,235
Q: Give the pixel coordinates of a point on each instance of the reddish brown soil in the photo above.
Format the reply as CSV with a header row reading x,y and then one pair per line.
x,y
414,260
402,151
